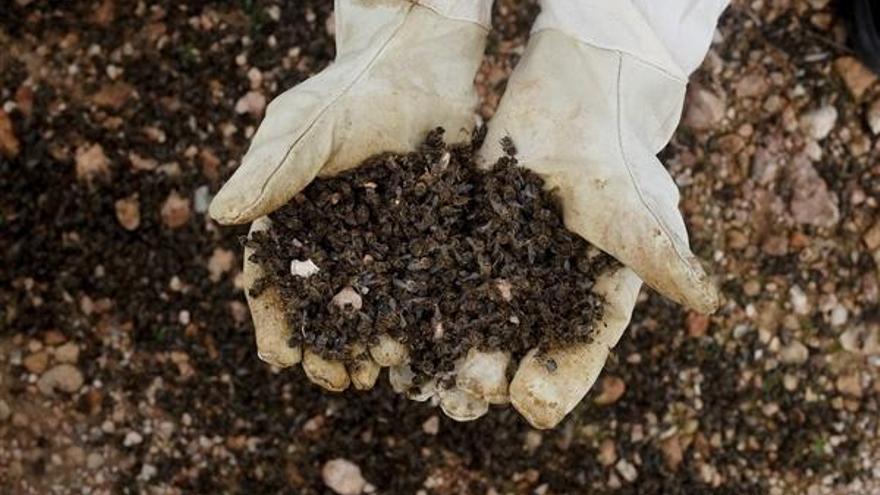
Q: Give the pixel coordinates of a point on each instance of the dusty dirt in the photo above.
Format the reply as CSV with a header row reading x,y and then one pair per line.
x,y
439,254
119,122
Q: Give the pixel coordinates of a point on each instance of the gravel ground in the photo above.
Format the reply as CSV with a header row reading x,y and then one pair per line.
x,y
127,362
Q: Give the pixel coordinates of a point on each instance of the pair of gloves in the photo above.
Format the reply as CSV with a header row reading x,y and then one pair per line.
x,y
588,110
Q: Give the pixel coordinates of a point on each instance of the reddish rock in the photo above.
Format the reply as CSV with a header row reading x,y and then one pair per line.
x,y
36,363
176,211
91,162
24,98
142,164
775,245
673,453
612,390
872,237
128,212
697,324
856,76
219,263
113,96
812,202
105,13
210,164
703,109
751,85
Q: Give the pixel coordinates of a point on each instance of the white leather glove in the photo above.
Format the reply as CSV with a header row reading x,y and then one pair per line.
x,y
401,69
595,97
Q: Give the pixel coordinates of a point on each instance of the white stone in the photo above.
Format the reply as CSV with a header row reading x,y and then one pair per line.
x,y
799,301
820,122
94,460
303,269
839,315
253,103
874,117
432,425
627,470
132,438
201,199
861,340
504,288
343,477
148,471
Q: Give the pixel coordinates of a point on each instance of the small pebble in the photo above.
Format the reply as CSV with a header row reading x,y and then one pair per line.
x,y
627,470
132,438
94,460
128,212
348,297
607,452
148,471
431,426
201,199
819,123
5,411
253,103
91,163
175,211
612,390
220,262
850,385
794,353
36,363
64,377
67,353
343,477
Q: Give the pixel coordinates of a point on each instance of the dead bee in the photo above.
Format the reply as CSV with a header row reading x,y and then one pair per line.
x,y
508,146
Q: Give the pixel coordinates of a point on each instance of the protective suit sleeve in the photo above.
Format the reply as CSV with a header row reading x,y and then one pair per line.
x,y
673,35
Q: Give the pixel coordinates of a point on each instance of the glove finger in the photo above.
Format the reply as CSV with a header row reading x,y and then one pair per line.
x,y
328,374
363,370
547,386
402,380
641,226
484,375
292,144
273,332
388,351
461,405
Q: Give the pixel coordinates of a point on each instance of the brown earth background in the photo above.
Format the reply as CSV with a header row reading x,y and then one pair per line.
x,y
127,361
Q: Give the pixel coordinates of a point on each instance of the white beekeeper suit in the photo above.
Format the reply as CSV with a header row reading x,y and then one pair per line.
x,y
596,95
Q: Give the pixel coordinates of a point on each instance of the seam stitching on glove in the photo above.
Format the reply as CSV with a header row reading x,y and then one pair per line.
x,y
482,20
324,110
631,173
